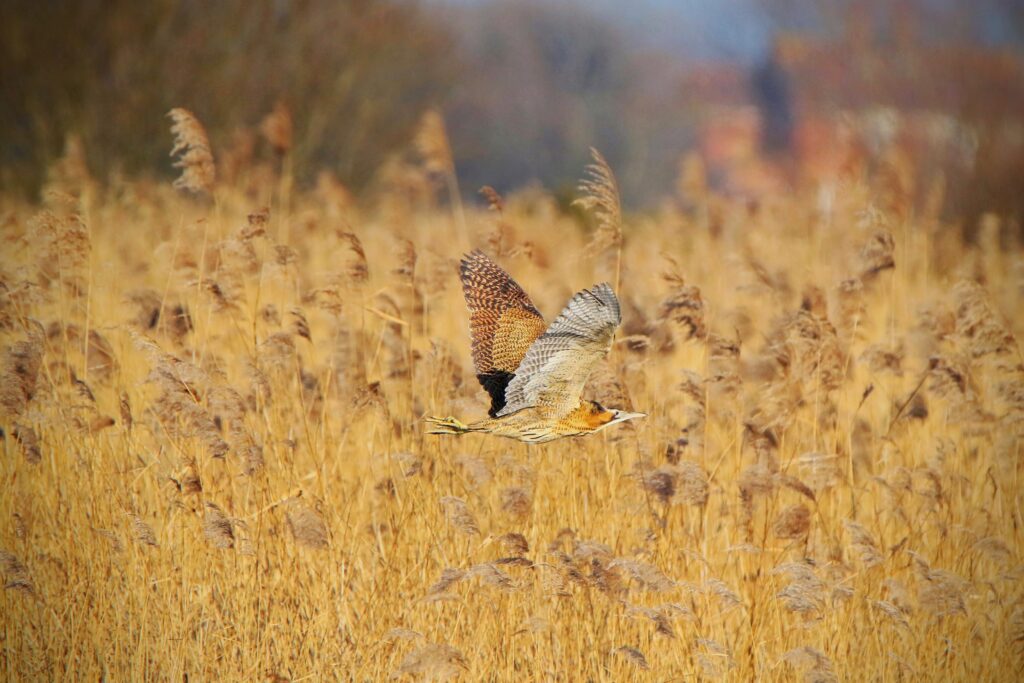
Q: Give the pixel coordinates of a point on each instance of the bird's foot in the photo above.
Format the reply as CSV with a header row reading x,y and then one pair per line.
x,y
446,425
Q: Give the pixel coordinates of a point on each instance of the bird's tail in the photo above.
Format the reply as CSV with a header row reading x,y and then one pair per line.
x,y
447,425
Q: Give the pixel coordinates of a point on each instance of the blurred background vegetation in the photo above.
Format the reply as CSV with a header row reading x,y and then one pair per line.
x,y
759,94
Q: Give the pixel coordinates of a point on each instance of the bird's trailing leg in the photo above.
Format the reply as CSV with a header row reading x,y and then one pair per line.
x,y
447,425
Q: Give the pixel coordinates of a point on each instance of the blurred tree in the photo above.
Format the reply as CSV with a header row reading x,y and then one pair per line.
x,y
545,82
771,87
355,74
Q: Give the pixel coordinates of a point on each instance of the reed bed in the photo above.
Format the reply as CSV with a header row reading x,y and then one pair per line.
x,y
214,466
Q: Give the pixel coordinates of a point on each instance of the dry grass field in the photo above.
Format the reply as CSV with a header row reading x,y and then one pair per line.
x,y
215,467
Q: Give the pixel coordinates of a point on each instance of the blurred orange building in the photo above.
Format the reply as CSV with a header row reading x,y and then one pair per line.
x,y
954,108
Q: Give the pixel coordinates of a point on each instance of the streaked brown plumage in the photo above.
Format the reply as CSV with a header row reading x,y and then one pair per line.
x,y
535,376
503,323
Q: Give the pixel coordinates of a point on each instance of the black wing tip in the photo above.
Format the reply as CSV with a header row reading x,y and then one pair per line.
x,y
494,383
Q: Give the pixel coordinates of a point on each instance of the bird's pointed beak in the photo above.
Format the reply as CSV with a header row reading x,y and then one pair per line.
x,y
622,416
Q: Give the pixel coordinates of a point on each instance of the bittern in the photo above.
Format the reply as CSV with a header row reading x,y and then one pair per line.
x,y
534,373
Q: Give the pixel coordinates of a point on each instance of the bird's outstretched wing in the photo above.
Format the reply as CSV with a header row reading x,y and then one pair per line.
x,y
554,370
503,323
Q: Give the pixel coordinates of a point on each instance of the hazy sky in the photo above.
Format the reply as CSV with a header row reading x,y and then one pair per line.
x,y
741,30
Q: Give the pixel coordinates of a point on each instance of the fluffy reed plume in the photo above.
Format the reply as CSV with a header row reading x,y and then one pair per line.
x,y
793,522
70,173
459,515
277,128
400,633
433,662
516,502
285,255
407,258
515,544
815,664
449,577
179,409
187,480
113,539
217,527
684,307
863,543
681,482
693,487
494,201
21,363
64,246
808,592
358,269
410,463
99,423
198,172
125,408
660,482
646,575
994,548
475,470
490,574
607,386
99,354
660,617
82,389
715,659
881,359
807,347
243,538
277,351
600,194
300,326
1016,631
725,596
941,593
29,440
877,255
306,524
431,142
892,612
16,574
153,313
851,307
141,531
978,324
606,580
633,656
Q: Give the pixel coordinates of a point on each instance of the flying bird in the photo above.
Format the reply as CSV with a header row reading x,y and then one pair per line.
x,y
534,373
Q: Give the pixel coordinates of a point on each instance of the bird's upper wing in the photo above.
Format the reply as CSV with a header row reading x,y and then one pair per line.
x,y
554,370
503,323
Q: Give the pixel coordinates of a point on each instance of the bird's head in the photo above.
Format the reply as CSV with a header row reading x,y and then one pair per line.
x,y
602,417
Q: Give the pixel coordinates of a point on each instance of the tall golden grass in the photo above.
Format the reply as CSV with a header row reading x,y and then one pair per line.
x,y
214,466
